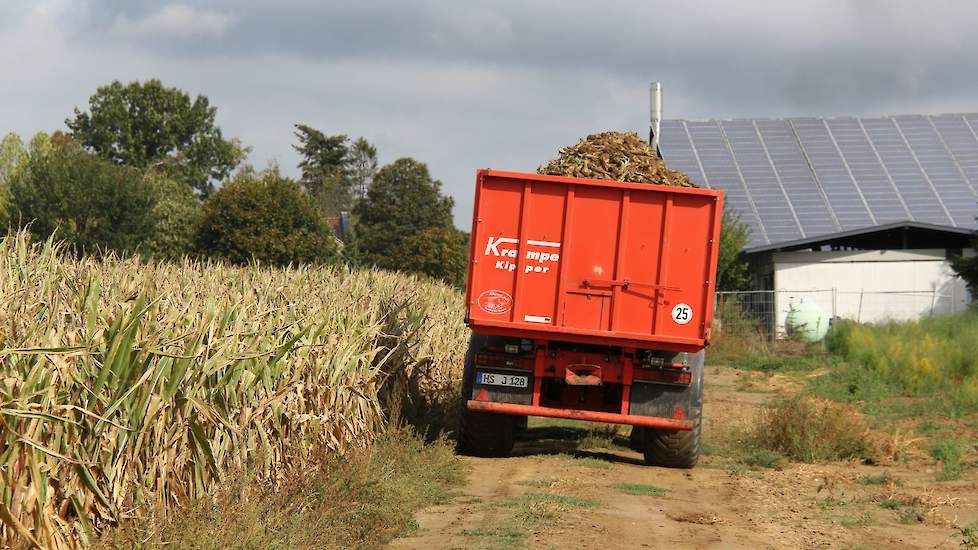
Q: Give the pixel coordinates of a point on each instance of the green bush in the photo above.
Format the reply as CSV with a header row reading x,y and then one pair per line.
x,y
92,204
264,217
439,252
813,430
176,217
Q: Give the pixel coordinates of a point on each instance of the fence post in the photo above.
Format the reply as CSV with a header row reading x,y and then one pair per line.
x,y
859,313
954,296
835,303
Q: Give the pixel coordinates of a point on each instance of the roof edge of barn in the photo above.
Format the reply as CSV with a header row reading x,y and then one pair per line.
x,y
831,237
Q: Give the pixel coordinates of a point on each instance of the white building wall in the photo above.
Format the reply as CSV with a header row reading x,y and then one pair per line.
x,y
868,286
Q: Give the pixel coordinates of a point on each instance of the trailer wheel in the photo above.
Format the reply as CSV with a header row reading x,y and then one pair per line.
x,y
487,434
674,448
679,448
636,440
482,433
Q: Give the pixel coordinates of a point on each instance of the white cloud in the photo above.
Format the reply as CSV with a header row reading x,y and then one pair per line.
x,y
175,20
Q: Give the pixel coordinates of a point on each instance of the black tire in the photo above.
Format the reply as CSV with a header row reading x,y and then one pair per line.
x,y
522,423
674,448
487,434
637,439
482,433
679,448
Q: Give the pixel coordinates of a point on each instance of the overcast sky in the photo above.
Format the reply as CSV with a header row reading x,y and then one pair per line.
x,y
463,85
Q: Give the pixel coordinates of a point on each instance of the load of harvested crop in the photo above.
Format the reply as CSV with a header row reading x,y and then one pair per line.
x,y
615,156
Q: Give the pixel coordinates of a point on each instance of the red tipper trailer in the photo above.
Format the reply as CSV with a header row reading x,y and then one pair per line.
x,y
590,300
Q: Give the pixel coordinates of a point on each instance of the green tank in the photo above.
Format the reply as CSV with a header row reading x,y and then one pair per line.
x,y
806,320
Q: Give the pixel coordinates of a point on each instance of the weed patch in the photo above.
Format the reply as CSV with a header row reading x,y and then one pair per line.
x,y
949,452
928,427
864,519
587,462
499,537
784,363
881,479
763,458
531,512
969,536
535,483
812,430
641,489
932,356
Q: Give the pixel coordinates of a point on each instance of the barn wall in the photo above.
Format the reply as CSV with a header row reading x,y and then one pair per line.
x,y
868,286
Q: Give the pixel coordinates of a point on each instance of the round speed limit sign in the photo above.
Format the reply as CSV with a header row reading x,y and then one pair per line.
x,y
682,314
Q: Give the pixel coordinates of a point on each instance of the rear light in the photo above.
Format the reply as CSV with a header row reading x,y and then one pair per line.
x,y
665,376
495,360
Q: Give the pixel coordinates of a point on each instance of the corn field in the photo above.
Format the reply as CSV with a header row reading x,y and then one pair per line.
x,y
128,387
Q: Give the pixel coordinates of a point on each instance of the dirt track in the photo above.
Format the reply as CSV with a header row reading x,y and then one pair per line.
x,y
719,504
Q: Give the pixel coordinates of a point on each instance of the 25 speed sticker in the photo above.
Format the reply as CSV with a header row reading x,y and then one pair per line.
x,y
682,314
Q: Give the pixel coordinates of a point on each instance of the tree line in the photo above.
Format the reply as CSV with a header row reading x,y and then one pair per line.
x,y
146,170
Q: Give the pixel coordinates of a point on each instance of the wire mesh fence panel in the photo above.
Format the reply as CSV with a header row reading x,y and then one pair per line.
x,y
769,312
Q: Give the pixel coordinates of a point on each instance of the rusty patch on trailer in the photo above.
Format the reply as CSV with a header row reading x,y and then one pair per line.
x,y
583,375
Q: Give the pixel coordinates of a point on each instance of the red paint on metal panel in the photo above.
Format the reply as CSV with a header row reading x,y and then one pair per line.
x,y
588,261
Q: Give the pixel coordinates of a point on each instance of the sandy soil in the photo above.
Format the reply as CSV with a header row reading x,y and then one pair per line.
x,y
719,504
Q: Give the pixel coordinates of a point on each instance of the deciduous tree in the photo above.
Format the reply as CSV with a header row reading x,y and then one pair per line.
x,y
91,203
149,125
732,269
405,223
439,252
266,217
13,157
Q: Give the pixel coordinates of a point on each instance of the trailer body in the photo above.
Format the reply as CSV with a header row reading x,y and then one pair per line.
x,y
590,299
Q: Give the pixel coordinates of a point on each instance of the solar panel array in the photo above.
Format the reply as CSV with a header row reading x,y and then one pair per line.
x,y
799,178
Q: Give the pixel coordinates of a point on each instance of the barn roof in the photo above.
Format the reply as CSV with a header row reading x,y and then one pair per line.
x,y
801,179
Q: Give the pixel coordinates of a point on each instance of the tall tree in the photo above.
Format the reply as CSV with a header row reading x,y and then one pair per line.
x,y
363,166
404,215
148,124
325,168
13,157
732,270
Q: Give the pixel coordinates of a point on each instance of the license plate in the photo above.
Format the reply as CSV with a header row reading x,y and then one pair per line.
x,y
496,379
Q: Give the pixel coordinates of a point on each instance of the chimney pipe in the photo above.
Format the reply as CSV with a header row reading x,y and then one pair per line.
x,y
655,100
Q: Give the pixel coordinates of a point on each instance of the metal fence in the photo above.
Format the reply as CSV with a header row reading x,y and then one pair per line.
x,y
767,311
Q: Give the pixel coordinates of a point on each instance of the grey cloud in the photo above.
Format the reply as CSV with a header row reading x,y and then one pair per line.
x,y
464,85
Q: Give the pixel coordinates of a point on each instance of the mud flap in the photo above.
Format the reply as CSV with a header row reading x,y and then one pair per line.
x,y
669,401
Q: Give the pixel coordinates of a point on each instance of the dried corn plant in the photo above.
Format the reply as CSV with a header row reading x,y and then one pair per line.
x,y
127,387
614,156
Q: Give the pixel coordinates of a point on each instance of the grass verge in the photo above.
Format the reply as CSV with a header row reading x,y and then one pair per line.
x,y
364,499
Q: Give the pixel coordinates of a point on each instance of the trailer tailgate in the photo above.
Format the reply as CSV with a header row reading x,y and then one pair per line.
x,y
603,262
